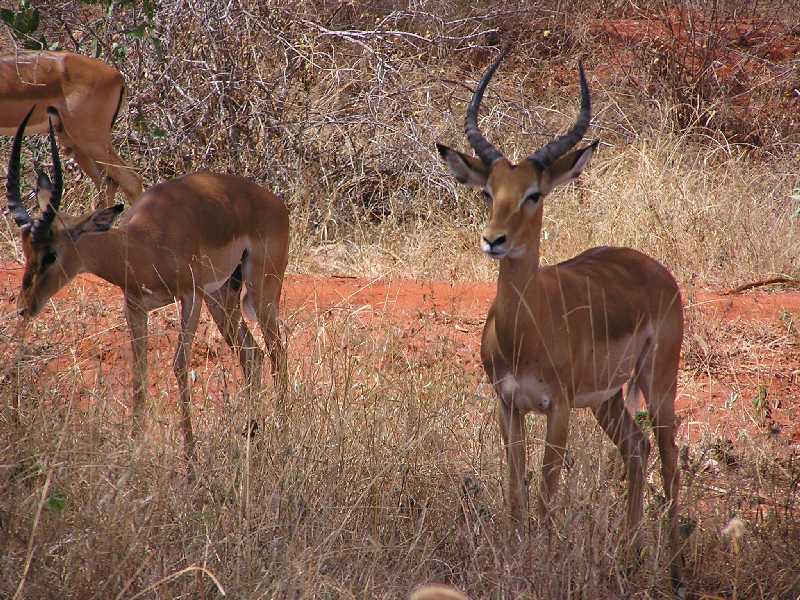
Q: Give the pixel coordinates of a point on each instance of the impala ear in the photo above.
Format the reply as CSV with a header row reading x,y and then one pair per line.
x,y
97,222
569,166
466,169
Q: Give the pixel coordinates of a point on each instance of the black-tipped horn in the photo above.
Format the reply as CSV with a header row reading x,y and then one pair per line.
x,y
18,211
558,147
483,148
42,225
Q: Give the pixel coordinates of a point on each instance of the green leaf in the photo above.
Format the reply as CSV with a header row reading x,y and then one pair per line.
x,y
138,32
157,132
158,48
56,502
760,401
8,16
642,418
32,21
149,7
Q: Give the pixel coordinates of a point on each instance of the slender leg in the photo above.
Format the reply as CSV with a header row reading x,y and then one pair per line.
x,y
622,429
120,174
106,169
663,418
225,310
512,429
554,450
263,294
137,323
658,376
93,171
275,348
190,314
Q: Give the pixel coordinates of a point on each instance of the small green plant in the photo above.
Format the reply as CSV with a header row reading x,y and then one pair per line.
x,y
760,402
56,502
642,419
23,23
144,30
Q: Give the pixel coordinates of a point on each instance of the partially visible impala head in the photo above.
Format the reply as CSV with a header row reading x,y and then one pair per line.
x,y
515,191
51,256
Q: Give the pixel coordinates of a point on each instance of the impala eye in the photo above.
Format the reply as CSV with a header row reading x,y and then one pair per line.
x,y
533,197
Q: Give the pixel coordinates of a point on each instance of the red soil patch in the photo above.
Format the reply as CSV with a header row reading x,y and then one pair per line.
x,y
752,350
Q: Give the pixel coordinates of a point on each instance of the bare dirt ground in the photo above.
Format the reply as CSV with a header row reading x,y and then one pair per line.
x,y
738,349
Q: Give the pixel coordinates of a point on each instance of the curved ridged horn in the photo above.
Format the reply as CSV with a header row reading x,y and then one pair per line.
x,y
15,206
559,146
483,148
42,225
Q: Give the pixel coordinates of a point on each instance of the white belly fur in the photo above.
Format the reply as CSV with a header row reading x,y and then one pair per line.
x,y
221,262
526,393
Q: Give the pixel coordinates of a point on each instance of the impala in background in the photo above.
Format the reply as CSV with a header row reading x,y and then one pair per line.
x,y
83,96
573,334
206,238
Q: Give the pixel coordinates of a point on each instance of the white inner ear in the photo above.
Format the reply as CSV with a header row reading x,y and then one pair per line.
x,y
579,165
463,172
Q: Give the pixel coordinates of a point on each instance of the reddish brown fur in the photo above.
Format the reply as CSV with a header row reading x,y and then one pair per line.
x,y
183,237
572,335
86,94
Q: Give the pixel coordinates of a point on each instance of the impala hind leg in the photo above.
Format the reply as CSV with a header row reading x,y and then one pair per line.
x,y
261,300
119,174
658,374
512,429
92,170
190,315
622,429
224,306
96,157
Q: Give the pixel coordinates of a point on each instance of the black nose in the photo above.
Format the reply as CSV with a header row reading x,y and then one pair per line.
x,y
21,312
496,242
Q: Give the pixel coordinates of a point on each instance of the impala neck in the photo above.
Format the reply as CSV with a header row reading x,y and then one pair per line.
x,y
104,254
516,280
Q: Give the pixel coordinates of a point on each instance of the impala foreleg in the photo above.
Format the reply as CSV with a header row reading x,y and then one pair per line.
x,y
137,323
190,315
622,429
512,429
554,451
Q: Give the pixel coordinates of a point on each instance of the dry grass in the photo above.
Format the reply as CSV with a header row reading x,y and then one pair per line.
x,y
384,472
